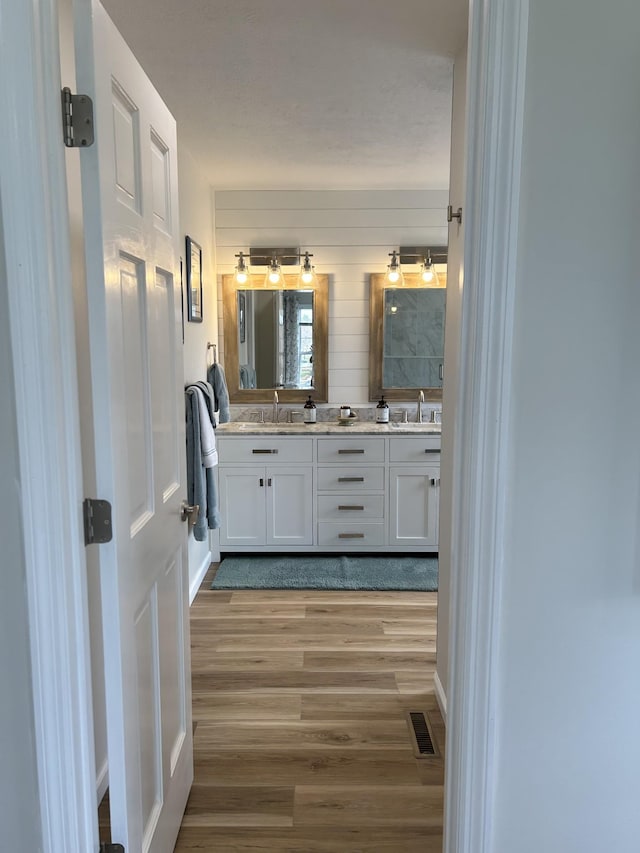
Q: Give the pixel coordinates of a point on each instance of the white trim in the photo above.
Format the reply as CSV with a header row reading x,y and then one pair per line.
x,y
197,580
495,91
102,781
441,696
36,236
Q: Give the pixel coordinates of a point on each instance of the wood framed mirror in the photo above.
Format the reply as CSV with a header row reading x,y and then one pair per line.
x,y
406,337
276,340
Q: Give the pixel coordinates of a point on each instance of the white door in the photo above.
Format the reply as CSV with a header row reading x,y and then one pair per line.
x,y
289,505
413,516
130,198
242,506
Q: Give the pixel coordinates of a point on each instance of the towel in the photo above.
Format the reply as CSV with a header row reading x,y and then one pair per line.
x,y
207,435
215,377
201,482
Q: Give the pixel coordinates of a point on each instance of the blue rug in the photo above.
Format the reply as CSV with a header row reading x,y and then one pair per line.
x,y
260,571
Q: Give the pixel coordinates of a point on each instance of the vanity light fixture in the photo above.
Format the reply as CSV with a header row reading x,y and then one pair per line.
x,y
276,261
394,272
242,274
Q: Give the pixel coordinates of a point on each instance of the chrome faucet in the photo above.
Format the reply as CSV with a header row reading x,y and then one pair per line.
x,y
275,407
420,402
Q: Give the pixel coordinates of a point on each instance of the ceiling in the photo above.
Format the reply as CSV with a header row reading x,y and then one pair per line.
x,y
304,94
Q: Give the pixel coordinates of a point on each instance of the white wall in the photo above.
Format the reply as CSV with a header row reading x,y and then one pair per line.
x,y
197,221
455,280
568,755
19,797
350,234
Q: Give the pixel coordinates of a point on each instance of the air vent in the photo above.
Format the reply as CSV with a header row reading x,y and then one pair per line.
x,y
423,741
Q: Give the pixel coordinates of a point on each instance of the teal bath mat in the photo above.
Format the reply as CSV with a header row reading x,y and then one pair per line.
x,y
328,572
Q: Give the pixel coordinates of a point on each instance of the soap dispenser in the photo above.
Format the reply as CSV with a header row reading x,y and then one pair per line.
x,y
382,412
310,411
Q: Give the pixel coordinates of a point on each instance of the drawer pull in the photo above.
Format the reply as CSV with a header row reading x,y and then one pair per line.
x,y
263,450
432,450
350,535
351,450
347,506
351,479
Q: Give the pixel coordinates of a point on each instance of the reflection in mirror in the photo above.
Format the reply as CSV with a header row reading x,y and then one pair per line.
x,y
275,338
413,337
406,337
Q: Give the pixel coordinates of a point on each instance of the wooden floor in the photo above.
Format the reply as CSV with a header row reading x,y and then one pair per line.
x,y
301,743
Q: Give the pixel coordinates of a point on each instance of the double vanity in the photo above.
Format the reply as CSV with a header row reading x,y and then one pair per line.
x,y
326,487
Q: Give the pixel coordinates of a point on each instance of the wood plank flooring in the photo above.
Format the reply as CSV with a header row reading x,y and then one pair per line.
x,y
301,743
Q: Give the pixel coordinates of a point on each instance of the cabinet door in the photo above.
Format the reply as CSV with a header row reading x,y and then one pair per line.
x,y
289,505
413,506
243,506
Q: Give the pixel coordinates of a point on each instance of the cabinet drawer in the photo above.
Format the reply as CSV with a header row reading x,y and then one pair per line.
x,y
418,449
348,508
333,478
346,535
350,450
270,450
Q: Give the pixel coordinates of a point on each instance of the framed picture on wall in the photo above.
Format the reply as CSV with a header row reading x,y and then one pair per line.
x,y
194,281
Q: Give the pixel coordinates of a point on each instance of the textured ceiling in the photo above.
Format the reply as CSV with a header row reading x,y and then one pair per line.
x,y
313,94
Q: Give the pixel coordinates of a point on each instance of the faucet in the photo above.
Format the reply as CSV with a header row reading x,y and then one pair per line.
x,y
420,402
275,407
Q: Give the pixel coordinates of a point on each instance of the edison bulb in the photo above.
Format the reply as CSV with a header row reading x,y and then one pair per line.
x,y
427,274
274,276
307,277
394,276
242,277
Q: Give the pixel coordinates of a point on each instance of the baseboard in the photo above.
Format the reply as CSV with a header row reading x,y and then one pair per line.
x,y
440,696
102,781
194,585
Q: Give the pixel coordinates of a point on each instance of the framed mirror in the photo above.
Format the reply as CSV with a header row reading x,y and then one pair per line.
x,y
276,340
406,338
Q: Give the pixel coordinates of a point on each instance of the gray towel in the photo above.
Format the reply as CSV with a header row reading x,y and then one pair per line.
x,y
201,481
215,377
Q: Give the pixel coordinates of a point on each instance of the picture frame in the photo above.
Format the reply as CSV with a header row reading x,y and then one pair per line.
x,y
242,317
194,281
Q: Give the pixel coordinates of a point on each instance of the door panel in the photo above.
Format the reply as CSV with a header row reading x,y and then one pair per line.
x,y
243,506
289,505
129,182
413,516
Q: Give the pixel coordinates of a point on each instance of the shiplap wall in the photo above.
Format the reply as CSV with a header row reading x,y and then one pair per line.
x,y
350,234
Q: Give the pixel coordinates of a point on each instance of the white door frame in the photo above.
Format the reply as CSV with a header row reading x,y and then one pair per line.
x,y
494,119
36,236
36,233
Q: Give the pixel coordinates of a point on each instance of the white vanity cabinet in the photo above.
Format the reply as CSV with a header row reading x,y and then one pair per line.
x,y
327,491
266,505
414,491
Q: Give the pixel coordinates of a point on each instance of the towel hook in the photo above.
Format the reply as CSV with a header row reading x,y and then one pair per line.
x,y
215,352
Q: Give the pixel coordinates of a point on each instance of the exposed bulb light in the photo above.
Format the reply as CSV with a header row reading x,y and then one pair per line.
x,y
274,273
242,270
307,271
428,273
394,273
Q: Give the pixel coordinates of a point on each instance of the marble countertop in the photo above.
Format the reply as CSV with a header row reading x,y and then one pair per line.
x,y
328,428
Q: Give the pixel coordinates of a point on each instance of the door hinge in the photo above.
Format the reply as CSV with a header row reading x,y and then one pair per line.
x,y
77,119
97,521
111,848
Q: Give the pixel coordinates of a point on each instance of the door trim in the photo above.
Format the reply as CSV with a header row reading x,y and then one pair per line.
x,y
498,32
36,236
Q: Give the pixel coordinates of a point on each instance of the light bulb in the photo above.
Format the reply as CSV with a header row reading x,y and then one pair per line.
x,y
307,272
274,274
394,273
242,270
428,273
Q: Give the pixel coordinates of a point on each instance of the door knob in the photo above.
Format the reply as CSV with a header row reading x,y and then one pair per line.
x,y
189,513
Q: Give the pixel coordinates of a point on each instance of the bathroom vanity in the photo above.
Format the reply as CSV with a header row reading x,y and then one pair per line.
x,y
324,487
